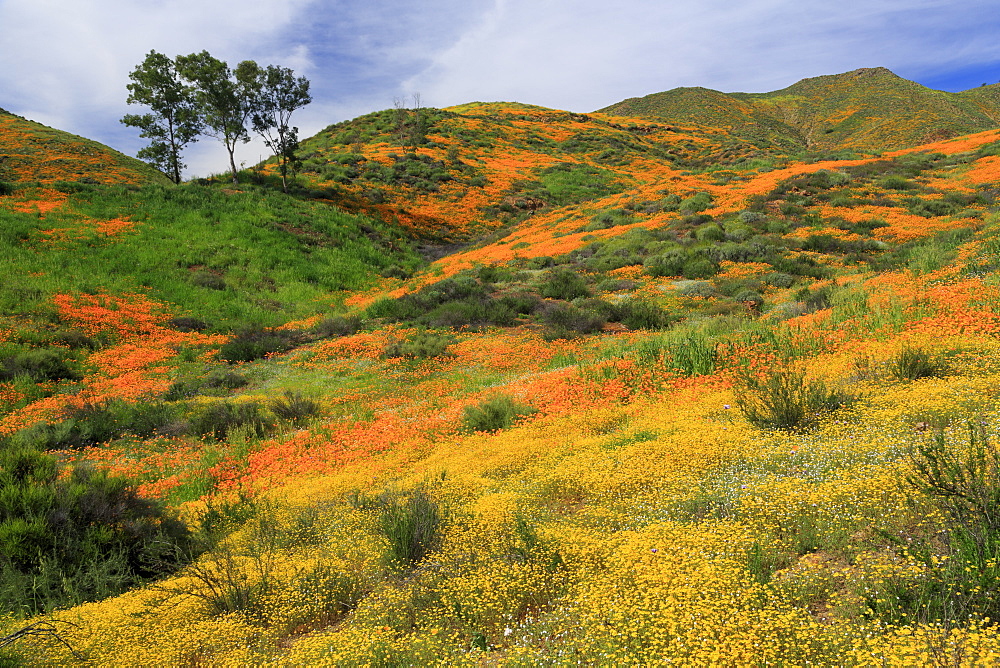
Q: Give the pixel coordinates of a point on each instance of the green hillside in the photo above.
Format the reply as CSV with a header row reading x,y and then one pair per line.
x,y
869,109
32,152
502,385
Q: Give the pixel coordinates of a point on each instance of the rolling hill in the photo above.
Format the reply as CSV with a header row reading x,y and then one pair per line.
x,y
705,377
868,109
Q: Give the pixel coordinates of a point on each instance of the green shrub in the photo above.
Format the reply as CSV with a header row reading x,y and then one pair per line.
x,y
566,321
39,364
220,418
493,414
67,539
963,481
695,203
711,232
421,345
410,522
690,355
670,263
915,363
641,314
294,407
256,343
785,399
699,267
564,284
188,324
336,326
225,379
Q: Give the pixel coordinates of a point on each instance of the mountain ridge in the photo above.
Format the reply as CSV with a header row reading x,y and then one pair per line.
x,y
867,108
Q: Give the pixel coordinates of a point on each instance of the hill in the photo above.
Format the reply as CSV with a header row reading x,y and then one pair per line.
x,y
652,390
32,152
865,109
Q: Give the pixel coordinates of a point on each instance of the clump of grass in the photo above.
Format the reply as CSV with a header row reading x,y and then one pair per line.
x,y
494,414
786,399
915,363
219,419
963,482
294,407
422,345
255,343
410,521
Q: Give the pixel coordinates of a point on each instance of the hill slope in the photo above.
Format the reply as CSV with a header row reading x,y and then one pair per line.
x,y
868,109
669,398
33,152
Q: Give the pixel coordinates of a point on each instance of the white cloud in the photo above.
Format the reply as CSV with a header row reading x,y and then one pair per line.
x,y
587,54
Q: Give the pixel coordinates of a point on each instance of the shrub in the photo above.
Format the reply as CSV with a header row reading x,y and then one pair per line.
x,y
964,482
219,419
695,203
188,324
67,539
225,379
39,364
294,407
493,414
336,326
421,345
914,363
640,314
785,399
699,267
564,284
566,320
256,343
670,263
207,279
690,355
410,522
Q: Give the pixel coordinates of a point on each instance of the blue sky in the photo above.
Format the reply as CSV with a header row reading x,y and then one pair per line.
x,y
65,63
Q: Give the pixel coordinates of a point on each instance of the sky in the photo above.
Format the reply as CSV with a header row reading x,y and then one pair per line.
x,y
66,63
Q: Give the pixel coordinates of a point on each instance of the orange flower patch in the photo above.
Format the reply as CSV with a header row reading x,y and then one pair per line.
x,y
742,269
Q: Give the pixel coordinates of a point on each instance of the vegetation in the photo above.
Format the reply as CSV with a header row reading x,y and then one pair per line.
x,y
571,385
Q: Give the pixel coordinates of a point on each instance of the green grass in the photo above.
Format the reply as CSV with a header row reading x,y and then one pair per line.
x,y
276,257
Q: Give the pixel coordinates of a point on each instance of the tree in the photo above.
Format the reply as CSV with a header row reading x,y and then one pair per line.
x,y
276,93
224,99
173,121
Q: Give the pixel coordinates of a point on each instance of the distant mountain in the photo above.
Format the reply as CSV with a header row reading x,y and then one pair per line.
x,y
30,151
869,109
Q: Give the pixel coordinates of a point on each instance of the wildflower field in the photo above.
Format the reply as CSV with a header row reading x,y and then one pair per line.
x,y
504,385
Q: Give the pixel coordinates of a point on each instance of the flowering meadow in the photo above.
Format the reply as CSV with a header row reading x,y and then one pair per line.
x,y
645,413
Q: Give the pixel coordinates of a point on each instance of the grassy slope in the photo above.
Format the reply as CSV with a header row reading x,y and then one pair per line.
x,y
864,109
33,152
585,530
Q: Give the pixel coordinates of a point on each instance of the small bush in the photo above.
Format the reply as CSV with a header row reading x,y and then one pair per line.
x,y
220,418
207,279
294,407
564,284
494,414
786,400
188,324
964,482
421,345
256,343
566,320
67,539
410,521
914,363
336,326
39,364
226,379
